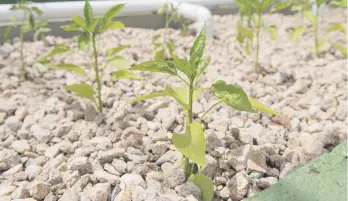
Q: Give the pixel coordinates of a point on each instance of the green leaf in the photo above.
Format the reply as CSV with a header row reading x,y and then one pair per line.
x,y
83,41
265,4
183,65
192,144
125,74
112,12
257,105
342,49
155,38
297,33
87,11
112,51
58,49
322,44
6,34
247,48
197,50
180,94
166,67
40,31
159,55
311,17
205,184
82,90
79,21
112,25
280,6
339,3
92,26
296,8
273,31
246,32
69,67
170,46
31,21
319,2
203,66
120,62
71,27
233,96
337,27
37,10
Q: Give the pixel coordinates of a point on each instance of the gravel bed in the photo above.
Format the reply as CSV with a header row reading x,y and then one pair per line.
x,y
55,146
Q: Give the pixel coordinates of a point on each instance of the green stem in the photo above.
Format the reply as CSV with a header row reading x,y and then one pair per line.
x,y
100,104
187,169
257,43
217,103
22,73
316,30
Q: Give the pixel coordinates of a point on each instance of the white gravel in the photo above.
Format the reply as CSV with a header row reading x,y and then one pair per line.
x,y
54,147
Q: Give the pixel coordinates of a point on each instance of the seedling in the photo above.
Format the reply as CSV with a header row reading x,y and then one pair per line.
x,y
31,24
87,26
192,142
253,9
164,49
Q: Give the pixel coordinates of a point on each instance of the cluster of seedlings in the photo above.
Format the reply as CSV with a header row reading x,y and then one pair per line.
x,y
191,144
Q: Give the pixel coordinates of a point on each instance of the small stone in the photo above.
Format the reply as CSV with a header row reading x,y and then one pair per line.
x,y
13,170
212,168
70,195
276,160
173,175
131,180
21,146
188,188
99,192
108,156
238,158
310,145
272,172
159,148
169,156
282,120
6,189
32,171
212,142
50,197
90,112
238,186
40,134
8,159
119,165
20,193
109,168
104,176
52,151
257,161
266,182
40,190
81,164
286,169
224,193
102,143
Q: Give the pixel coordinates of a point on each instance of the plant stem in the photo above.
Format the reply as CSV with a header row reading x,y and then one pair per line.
x,y
22,73
257,43
217,103
316,30
100,104
187,169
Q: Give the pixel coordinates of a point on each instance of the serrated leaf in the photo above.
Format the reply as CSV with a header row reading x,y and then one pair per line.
x,y
159,55
337,27
37,10
205,184
257,105
69,67
273,31
82,90
280,6
232,96
125,74
182,65
79,21
111,13
311,17
112,51
297,33
58,49
71,27
31,21
166,67
342,49
88,13
197,50
112,25
192,144
83,41
120,62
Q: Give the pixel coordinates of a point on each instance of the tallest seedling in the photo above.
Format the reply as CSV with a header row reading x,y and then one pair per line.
x,y
191,144
89,31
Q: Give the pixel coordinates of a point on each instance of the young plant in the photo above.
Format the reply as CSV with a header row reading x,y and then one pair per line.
x,y
31,24
87,26
192,142
253,9
164,49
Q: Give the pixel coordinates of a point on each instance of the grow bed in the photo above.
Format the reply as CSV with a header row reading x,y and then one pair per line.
x,y
55,145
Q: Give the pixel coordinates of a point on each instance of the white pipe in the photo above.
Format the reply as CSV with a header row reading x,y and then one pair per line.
x,y
189,9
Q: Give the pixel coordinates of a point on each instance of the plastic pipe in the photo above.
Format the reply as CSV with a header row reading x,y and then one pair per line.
x,y
190,9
